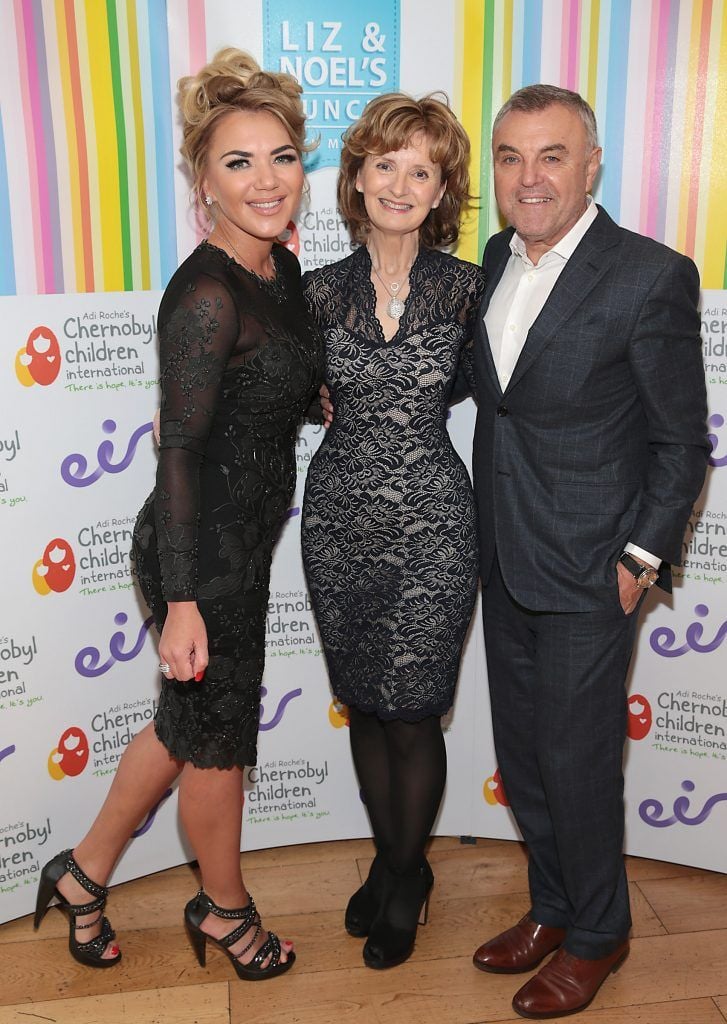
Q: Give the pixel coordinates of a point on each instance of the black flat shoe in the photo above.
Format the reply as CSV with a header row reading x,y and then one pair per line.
x,y
393,933
249,921
88,953
366,902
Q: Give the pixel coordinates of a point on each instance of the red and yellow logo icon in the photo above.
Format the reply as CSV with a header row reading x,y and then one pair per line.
x,y
290,238
56,569
494,791
70,757
39,360
638,723
338,714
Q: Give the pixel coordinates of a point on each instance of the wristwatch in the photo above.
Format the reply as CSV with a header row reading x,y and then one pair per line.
x,y
645,576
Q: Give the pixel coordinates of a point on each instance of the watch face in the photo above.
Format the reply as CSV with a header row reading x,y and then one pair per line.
x,y
647,579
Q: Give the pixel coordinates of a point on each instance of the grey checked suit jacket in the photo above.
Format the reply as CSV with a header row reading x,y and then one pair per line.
x,y
600,437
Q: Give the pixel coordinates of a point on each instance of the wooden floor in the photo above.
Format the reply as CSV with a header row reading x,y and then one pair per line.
x,y
676,973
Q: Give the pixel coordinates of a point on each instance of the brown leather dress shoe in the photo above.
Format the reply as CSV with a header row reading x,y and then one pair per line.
x,y
519,948
566,984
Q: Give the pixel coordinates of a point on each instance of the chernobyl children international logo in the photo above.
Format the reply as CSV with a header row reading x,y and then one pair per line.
x,y
343,54
640,717
17,674
70,757
99,746
714,343
11,454
103,564
101,349
55,570
39,360
494,792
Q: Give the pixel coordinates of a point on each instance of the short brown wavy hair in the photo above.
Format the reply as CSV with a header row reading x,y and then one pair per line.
x,y
232,81
387,124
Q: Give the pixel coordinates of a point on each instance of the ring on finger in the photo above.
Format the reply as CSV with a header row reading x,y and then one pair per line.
x,y
164,668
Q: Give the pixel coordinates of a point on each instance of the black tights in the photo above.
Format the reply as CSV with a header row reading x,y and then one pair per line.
x,y
402,768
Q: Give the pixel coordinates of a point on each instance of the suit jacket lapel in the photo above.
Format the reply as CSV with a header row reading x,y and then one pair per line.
x,y
495,271
590,261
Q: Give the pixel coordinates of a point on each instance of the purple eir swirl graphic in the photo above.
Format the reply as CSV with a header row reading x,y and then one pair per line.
x,y
662,638
74,466
88,660
7,751
149,820
280,710
651,810
716,420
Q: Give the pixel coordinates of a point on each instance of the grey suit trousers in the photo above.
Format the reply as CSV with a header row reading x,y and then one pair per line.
x,y
557,685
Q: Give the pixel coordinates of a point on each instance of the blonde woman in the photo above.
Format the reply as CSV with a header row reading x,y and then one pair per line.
x,y
240,360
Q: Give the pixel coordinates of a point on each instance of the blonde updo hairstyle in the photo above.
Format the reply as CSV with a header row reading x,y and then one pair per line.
x,y
232,81
387,124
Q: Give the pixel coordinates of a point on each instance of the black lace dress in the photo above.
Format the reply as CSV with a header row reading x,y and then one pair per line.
x,y
389,537
240,362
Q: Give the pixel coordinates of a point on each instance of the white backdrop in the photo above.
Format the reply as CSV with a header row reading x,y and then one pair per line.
x,y
77,661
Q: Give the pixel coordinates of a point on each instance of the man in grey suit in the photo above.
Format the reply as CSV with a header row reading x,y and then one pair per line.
x,y
590,449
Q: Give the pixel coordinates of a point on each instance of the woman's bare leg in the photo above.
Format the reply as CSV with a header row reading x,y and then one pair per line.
x,y
145,771
210,806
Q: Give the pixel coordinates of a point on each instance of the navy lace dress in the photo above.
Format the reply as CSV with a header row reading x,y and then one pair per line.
x,y
240,362
389,538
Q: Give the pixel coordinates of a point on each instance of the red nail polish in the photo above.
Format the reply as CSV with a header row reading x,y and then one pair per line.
x,y
198,677
114,951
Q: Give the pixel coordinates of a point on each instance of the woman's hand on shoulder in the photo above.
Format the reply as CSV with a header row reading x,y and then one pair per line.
x,y
183,644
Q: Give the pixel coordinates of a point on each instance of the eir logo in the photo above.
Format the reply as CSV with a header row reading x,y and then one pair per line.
x,y
39,360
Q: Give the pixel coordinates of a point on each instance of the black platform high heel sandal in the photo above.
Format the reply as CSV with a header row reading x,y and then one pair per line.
x,y
88,953
392,935
197,910
366,902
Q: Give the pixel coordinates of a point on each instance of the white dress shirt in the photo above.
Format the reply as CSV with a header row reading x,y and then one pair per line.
x,y
518,300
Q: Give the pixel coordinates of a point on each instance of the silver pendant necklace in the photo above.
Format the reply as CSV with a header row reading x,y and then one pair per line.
x,y
395,306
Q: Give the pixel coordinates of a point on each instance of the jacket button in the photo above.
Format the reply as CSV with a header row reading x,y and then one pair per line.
x,y
502,410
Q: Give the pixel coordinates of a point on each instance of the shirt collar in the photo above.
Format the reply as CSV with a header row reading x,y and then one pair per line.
x,y
568,243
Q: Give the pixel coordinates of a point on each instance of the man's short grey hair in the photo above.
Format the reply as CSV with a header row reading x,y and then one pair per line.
x,y
540,97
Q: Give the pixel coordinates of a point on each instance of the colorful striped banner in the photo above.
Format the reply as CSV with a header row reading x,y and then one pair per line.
x,y
87,184
655,72
93,164
7,269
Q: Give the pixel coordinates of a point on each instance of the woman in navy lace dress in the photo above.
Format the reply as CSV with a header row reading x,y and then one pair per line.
x,y
389,539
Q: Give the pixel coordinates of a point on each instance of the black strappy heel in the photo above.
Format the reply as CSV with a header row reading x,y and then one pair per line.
x,y
89,953
197,910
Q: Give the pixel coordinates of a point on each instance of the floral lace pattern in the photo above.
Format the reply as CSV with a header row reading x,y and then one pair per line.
x,y
240,361
389,538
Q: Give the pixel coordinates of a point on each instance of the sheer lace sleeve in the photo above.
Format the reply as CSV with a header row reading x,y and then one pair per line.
x,y
319,294
197,334
473,288
315,303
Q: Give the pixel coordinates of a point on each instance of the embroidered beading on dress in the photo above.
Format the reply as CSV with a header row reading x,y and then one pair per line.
x,y
240,360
